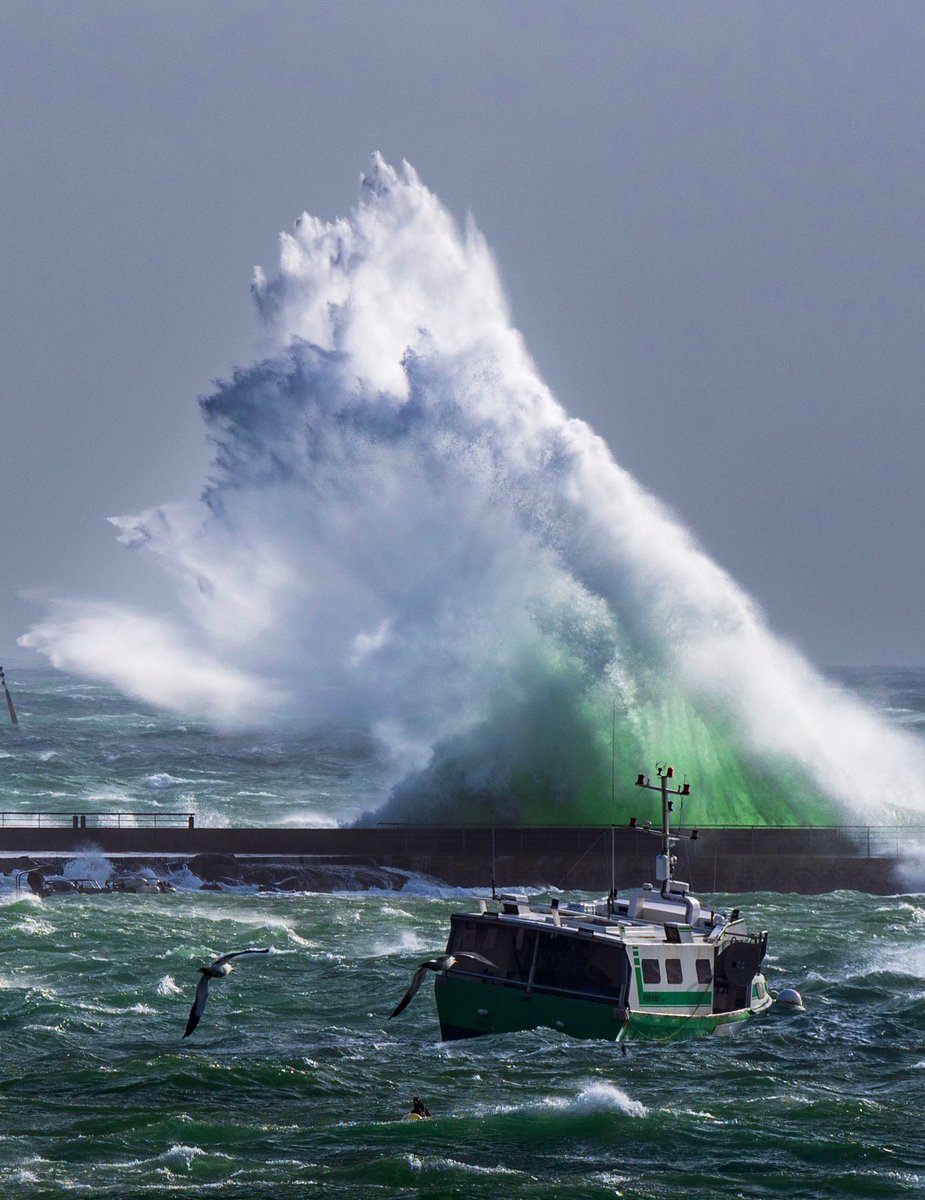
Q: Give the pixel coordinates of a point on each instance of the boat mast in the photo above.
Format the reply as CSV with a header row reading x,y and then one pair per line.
x,y
613,805
666,860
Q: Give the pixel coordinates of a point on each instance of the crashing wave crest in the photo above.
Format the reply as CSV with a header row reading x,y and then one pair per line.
x,y
403,525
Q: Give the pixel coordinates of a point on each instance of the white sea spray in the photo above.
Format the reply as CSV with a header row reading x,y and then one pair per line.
x,y
403,526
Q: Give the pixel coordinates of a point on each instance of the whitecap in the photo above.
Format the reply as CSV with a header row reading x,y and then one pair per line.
x,y
600,1096
35,926
181,1155
416,1163
407,942
167,986
163,780
596,1096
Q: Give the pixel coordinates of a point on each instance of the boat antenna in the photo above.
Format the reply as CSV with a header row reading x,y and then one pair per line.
x,y
11,709
666,860
494,894
613,807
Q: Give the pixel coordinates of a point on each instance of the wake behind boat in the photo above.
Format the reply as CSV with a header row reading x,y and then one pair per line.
x,y
655,962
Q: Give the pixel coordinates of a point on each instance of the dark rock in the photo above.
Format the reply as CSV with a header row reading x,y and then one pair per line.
x,y
23,863
212,867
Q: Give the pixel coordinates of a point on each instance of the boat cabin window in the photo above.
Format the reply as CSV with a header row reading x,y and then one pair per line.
x,y
673,972
463,938
651,971
563,962
476,935
577,964
508,947
704,971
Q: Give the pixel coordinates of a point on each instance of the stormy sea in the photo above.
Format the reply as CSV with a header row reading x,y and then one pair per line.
x,y
415,589
296,1083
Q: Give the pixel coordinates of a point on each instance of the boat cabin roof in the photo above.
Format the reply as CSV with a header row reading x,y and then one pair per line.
x,y
641,916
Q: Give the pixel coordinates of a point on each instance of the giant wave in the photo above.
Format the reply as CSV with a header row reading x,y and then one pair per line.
x,y
403,526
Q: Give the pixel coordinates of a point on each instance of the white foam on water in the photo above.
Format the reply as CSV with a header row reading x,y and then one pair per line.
x,y
420,1163
90,865
404,942
162,779
253,919
35,926
598,1096
594,1096
184,879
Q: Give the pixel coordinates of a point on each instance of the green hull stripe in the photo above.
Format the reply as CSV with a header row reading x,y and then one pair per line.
x,y
676,999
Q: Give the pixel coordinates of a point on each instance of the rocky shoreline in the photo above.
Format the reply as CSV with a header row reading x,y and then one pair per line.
x,y
217,872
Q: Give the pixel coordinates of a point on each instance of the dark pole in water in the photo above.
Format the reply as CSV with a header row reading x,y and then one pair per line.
x,y
9,700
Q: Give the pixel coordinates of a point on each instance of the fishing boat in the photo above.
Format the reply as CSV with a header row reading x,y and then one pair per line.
x,y
654,962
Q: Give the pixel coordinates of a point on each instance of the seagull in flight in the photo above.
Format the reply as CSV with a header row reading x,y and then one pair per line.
x,y
443,963
217,970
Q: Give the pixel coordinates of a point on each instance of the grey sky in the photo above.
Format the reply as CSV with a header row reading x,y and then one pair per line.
x,y
709,220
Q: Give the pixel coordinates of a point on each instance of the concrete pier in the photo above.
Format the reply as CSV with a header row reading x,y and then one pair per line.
x,y
568,857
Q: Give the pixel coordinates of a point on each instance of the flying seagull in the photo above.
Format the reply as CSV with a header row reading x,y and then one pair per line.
x,y
443,963
218,970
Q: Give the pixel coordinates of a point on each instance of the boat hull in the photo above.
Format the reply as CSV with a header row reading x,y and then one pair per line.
x,y
468,1007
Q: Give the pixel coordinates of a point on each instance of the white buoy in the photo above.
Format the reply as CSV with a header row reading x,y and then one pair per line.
x,y
791,999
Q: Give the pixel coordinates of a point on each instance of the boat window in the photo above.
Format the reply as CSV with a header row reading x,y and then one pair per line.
x,y
577,965
704,972
481,938
520,956
651,971
673,970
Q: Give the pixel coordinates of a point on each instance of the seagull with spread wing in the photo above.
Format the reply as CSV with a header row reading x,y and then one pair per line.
x,y
217,970
443,963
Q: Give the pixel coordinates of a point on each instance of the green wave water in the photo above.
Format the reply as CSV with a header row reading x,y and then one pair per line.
x,y
85,747
564,758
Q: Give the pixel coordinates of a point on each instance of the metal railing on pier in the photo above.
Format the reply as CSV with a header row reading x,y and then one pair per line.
x,y
97,820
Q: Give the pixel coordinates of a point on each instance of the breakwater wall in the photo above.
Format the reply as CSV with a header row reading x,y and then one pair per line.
x,y
810,860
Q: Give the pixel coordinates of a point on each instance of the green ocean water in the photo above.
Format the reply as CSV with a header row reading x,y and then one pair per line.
x,y
296,1084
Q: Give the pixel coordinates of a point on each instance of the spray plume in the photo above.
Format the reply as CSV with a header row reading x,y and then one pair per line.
x,y
403,525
